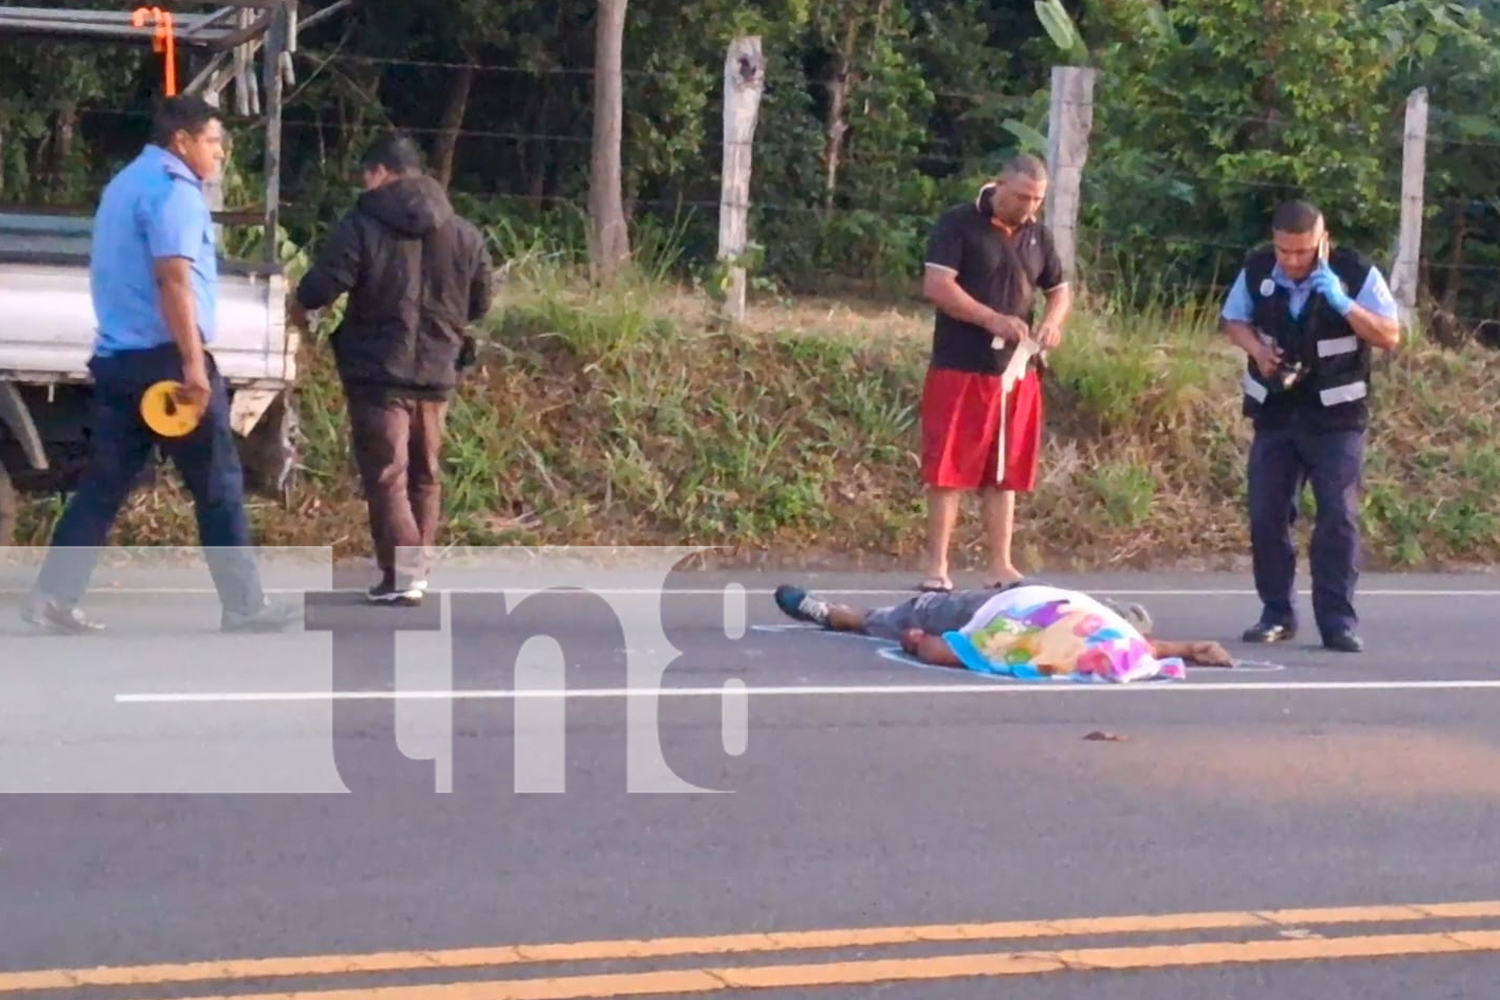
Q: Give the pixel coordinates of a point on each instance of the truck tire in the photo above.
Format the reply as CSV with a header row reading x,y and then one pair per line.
x,y
9,508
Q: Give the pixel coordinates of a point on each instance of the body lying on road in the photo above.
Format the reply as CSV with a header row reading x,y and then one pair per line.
x,y
1023,630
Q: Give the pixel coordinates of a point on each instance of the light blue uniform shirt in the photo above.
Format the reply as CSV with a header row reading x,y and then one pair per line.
x,y
154,208
1374,296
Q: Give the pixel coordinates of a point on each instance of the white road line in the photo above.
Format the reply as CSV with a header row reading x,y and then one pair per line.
x,y
1188,592
759,592
793,691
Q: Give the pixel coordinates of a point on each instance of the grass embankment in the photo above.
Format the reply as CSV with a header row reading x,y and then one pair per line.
x,y
627,418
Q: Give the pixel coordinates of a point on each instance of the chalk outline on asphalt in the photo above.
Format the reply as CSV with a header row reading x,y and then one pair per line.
x,y
991,686
989,683
894,653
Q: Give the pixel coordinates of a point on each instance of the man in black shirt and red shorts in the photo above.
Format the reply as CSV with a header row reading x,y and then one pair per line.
x,y
981,414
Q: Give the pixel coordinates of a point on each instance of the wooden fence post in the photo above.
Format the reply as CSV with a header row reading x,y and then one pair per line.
x,y
1404,270
1069,122
609,236
744,79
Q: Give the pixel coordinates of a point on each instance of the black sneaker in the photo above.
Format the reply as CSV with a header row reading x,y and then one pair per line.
x,y
398,594
797,603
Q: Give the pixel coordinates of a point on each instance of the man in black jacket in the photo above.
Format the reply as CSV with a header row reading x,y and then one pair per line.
x,y
417,275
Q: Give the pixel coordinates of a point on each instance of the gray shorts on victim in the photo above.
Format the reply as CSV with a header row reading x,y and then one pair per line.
x,y
932,613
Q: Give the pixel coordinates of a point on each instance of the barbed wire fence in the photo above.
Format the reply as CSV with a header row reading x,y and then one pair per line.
x,y
1403,139
1069,132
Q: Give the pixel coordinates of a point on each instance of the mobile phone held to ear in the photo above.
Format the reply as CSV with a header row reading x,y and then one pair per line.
x,y
1323,248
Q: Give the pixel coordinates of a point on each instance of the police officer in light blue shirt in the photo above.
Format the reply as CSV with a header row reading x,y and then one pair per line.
x,y
154,211
1308,320
154,276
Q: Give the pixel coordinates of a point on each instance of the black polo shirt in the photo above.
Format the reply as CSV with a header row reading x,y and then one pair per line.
x,y
1003,272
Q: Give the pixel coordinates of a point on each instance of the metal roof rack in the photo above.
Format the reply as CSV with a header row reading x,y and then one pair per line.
x,y
218,30
222,41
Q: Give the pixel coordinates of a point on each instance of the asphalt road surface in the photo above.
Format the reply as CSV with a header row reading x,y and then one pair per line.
x,y
792,814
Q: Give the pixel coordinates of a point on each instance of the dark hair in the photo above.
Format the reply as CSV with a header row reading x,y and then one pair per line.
x,y
396,153
1295,217
1135,614
181,114
1025,165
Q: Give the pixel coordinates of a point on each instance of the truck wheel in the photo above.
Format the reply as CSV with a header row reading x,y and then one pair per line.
x,y
9,507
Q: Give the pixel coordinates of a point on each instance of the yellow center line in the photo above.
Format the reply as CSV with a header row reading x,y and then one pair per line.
x,y
867,972
729,944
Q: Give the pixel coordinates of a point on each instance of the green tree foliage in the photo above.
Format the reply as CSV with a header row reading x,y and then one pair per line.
x,y
1211,112
1450,49
876,115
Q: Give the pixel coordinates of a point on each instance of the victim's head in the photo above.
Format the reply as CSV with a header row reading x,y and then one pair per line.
x,y
1297,233
1136,614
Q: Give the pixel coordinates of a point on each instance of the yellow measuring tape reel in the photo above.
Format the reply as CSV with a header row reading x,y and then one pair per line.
x,y
164,414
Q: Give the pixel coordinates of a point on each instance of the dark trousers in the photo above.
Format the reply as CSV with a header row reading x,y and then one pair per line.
x,y
121,445
1281,461
398,446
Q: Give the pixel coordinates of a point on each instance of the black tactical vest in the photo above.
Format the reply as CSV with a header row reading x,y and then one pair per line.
x,y
1334,392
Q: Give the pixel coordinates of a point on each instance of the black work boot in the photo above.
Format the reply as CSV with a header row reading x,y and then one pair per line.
x,y
1343,640
1266,632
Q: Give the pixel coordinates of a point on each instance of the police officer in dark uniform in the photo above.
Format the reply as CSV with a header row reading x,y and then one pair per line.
x,y
1307,320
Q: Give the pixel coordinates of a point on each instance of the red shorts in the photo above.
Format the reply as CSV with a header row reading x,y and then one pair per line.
x,y
962,427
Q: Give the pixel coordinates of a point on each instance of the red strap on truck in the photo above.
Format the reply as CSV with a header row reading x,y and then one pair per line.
x,y
163,39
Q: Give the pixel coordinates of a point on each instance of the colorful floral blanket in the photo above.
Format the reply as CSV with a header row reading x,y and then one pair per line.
x,y
1062,637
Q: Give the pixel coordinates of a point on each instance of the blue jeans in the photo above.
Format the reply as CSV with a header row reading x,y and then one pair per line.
x,y
1281,461
120,447
933,613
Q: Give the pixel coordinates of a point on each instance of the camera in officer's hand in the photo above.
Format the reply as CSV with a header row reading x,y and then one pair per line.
x,y
1288,374
1289,369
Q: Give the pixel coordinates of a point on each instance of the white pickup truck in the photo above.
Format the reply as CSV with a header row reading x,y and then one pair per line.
x,y
46,307
47,336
